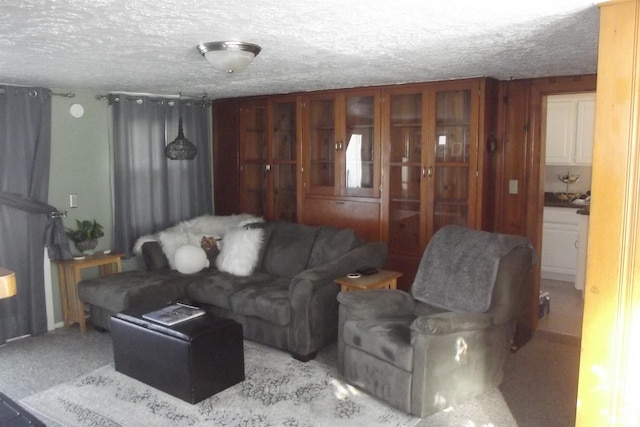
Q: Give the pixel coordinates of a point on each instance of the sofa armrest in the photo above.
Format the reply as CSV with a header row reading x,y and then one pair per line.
x,y
313,292
370,254
376,303
450,322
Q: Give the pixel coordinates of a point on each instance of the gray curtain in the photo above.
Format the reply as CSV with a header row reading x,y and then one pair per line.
x,y
152,192
25,144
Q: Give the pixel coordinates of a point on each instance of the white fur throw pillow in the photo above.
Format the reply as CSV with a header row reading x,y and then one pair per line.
x,y
239,251
190,259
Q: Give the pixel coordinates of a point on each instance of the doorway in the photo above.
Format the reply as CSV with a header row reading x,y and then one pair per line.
x,y
567,137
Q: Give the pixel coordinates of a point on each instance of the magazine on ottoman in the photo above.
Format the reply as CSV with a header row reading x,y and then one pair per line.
x,y
173,314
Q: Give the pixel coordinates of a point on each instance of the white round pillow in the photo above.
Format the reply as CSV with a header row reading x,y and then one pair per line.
x,y
190,259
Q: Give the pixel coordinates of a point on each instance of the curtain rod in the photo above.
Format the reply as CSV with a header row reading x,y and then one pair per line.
x,y
203,97
34,92
66,95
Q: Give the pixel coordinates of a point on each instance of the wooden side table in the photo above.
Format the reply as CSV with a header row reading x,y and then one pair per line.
x,y
70,273
383,279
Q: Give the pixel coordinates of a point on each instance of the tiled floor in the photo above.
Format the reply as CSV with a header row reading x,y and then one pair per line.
x,y
565,315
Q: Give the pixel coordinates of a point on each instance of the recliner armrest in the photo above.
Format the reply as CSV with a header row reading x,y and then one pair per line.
x,y
376,303
450,322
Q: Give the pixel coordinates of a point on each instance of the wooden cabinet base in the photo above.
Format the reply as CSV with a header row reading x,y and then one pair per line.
x,y
362,217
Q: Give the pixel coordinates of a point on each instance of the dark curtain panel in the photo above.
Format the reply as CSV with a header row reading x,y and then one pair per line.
x,y
152,192
25,144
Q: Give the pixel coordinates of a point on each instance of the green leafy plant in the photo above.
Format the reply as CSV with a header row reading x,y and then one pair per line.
x,y
87,230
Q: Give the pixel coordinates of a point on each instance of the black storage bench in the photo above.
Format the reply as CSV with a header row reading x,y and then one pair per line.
x,y
191,360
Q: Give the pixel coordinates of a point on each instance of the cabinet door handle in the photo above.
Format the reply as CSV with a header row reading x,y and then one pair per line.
x,y
339,145
427,172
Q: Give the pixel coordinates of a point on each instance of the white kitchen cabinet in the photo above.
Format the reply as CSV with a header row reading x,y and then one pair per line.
x,y
560,241
570,129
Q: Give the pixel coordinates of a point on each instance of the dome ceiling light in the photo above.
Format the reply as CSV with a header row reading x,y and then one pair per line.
x,y
230,57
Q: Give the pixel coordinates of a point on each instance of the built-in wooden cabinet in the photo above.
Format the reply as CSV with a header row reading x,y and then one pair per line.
x,y
252,141
269,157
342,160
342,143
435,141
393,163
284,159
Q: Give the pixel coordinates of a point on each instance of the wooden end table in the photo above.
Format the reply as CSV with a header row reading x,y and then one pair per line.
x,y
383,279
70,273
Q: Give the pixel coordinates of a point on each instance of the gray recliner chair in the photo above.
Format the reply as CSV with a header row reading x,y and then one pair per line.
x,y
447,340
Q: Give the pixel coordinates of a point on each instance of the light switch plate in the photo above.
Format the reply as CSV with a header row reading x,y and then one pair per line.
x,y
73,200
513,186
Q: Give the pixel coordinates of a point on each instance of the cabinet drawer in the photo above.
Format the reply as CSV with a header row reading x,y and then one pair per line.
x,y
362,217
568,216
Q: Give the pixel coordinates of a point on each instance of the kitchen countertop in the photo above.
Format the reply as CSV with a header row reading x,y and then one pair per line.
x,y
550,199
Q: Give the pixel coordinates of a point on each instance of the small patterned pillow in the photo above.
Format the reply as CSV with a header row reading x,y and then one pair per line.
x,y
210,246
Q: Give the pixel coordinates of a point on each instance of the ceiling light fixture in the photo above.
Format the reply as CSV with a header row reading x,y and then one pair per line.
x,y
229,56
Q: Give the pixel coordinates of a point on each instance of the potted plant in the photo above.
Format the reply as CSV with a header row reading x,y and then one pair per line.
x,y
86,236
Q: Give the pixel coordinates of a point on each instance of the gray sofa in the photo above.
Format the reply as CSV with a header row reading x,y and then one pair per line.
x,y
288,302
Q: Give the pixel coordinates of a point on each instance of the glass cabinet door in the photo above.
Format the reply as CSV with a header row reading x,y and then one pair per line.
x,y
253,158
343,138
452,158
283,161
360,148
322,145
405,129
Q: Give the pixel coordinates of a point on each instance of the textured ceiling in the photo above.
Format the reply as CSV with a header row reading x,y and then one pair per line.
x,y
150,45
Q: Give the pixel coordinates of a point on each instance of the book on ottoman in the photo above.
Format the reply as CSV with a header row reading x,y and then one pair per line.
x,y
173,314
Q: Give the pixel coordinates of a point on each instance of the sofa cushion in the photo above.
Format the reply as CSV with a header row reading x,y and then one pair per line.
x,y
387,339
217,289
134,289
288,250
267,300
330,244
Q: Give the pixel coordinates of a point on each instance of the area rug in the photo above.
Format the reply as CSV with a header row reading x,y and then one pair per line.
x,y
278,391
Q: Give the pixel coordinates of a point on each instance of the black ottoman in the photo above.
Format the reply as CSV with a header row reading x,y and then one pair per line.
x,y
191,360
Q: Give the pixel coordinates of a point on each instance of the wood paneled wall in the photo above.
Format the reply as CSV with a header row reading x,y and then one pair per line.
x,y
226,179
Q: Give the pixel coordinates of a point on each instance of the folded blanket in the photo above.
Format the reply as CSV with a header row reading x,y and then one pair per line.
x,y
459,267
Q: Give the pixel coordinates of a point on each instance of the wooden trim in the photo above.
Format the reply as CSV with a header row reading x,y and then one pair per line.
x,y
609,372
